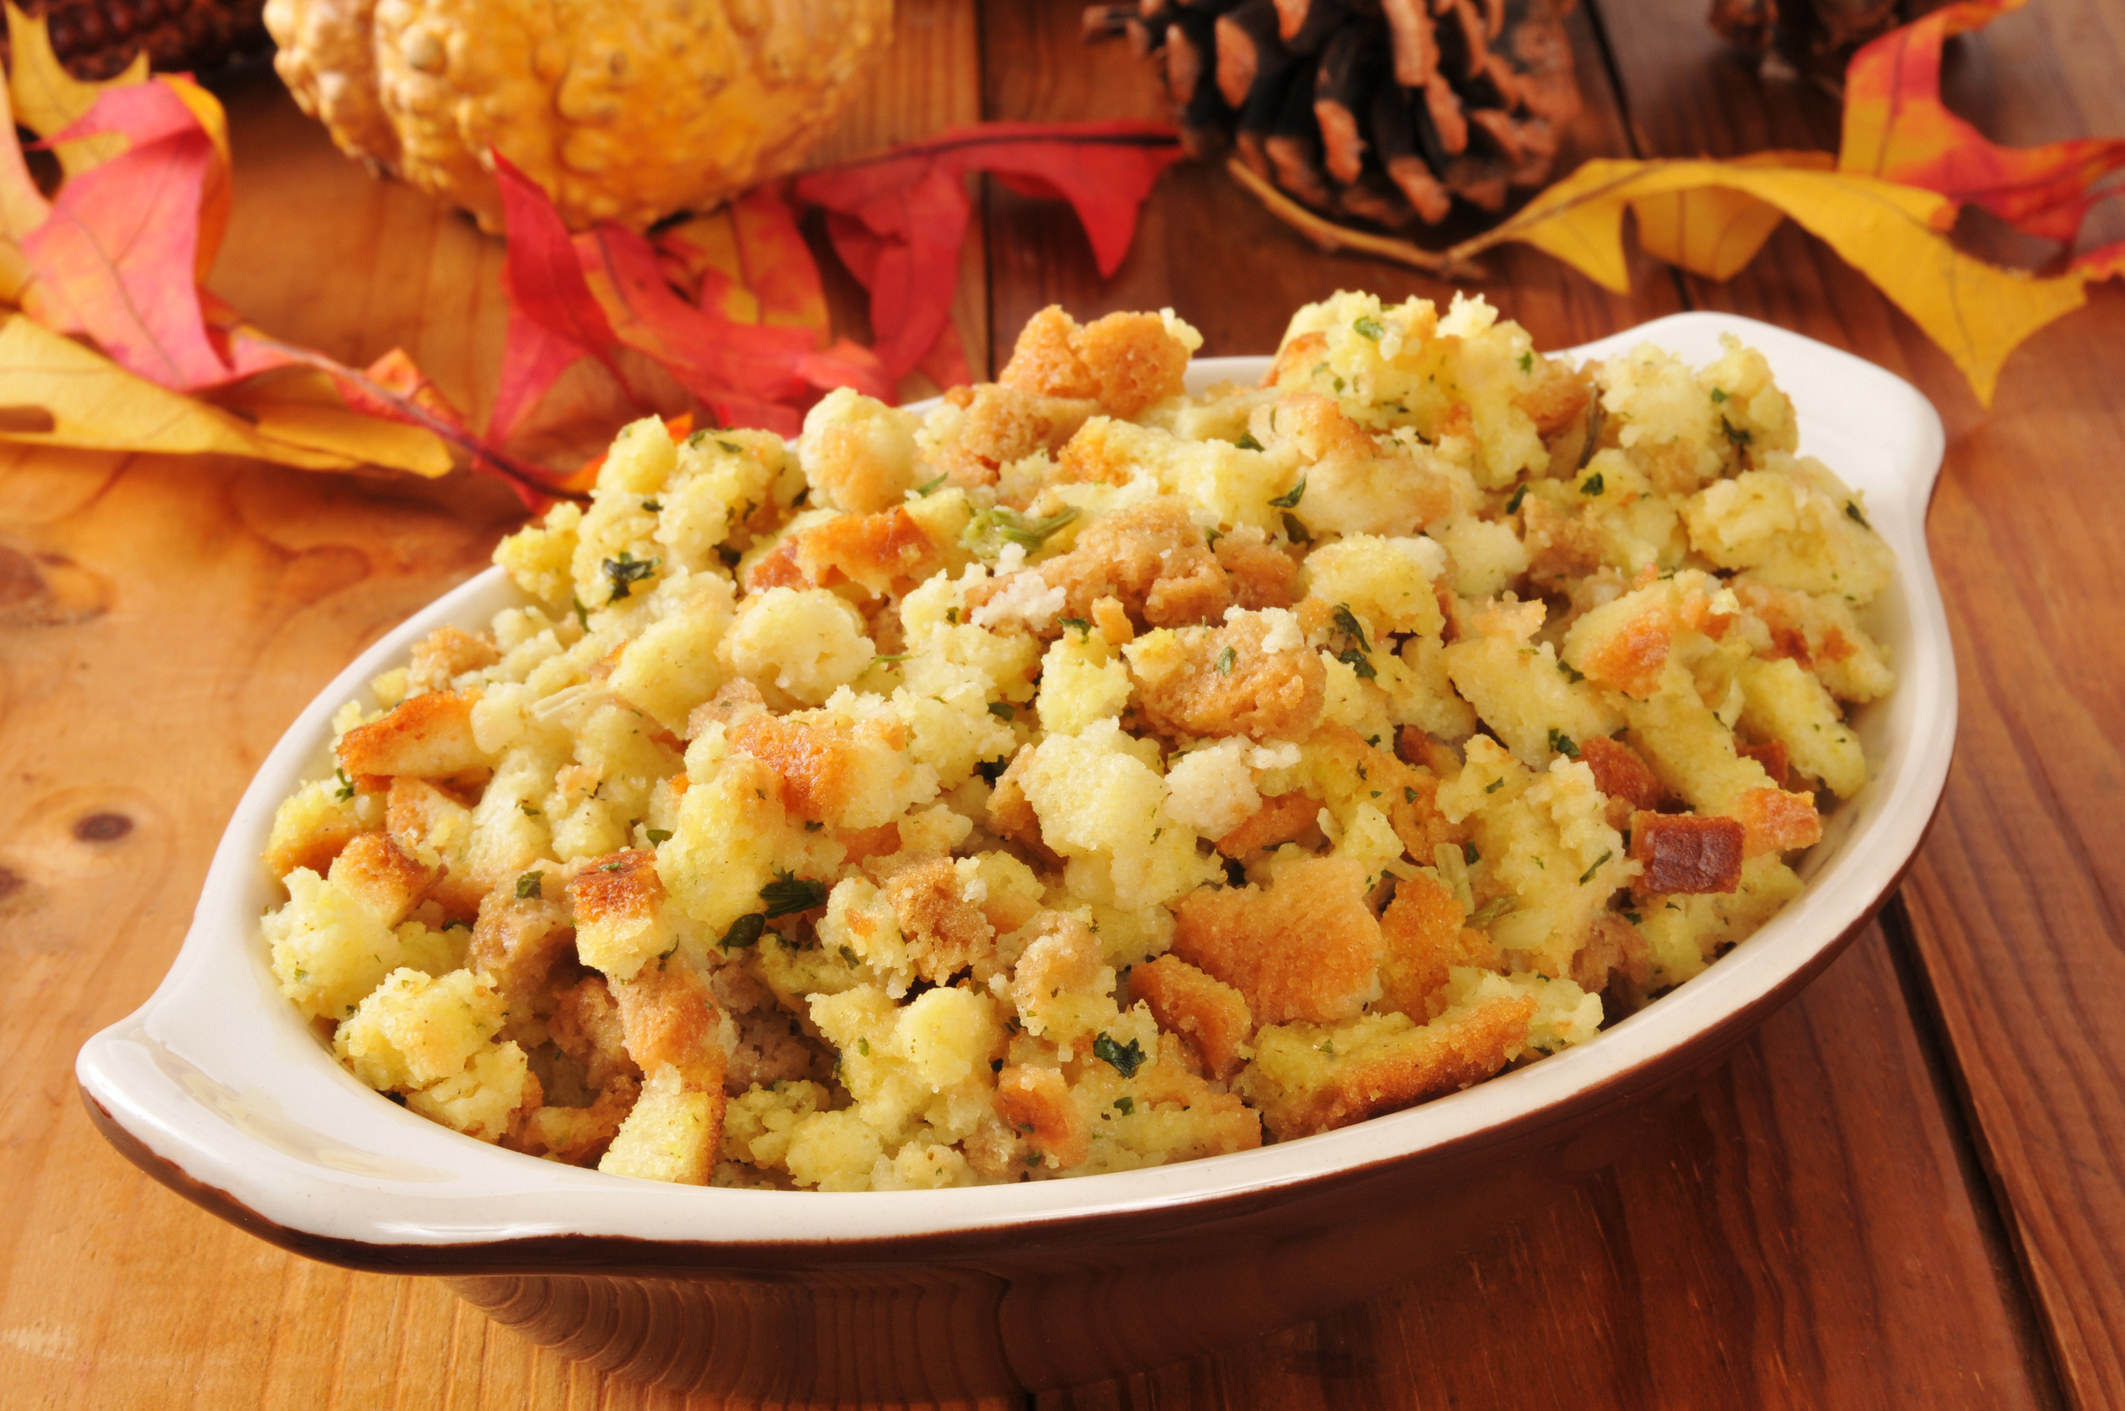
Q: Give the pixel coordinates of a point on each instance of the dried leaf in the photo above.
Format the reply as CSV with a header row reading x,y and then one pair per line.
x,y
554,320
747,263
115,258
1897,128
47,99
898,220
1978,313
55,392
1715,231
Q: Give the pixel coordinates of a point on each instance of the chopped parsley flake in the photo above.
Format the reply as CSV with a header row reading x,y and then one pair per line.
x,y
1527,362
1493,786
1409,795
657,835
1247,442
1002,711
1078,625
345,791
1360,663
732,446
1562,743
1125,1105
624,572
931,487
744,932
1512,506
789,894
1368,328
1588,875
1225,659
1295,531
1592,485
1719,394
530,885
582,613
1124,1059
1469,854
1571,673
987,532
1853,513
863,1046
1491,910
1290,498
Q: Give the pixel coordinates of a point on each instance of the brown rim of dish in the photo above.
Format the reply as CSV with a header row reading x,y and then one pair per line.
x,y
623,1254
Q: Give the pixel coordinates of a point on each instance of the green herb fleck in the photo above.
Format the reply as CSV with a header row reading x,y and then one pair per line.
x,y
1588,875
1592,485
1852,512
788,894
1002,711
1338,384
890,658
345,791
931,487
1290,498
1409,795
1719,394
1360,663
1469,854
1491,910
987,532
1739,437
1347,623
657,835
732,446
582,613
653,506
1247,442
1079,626
1368,328
1527,362
1225,659
863,1046
1125,1105
1571,673
527,809
624,572
1512,506
530,885
744,932
1124,1059
1493,786
1295,531
1562,743
1633,917
951,615
1032,1160
849,955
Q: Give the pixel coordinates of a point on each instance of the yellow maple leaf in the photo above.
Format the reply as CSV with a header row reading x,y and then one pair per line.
x,y
1894,235
56,392
47,99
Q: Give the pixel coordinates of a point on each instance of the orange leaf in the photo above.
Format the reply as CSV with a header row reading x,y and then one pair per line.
x,y
1894,235
1897,128
219,189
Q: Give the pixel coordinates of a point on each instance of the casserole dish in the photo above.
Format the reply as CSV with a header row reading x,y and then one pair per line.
x,y
220,1089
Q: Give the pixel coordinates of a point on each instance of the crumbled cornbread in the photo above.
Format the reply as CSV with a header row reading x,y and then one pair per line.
x,y
1084,775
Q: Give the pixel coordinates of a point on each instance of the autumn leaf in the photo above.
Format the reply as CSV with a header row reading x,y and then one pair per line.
x,y
898,220
115,256
1897,128
1894,235
1714,231
47,99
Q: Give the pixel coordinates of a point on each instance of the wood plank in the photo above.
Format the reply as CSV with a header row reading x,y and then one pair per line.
x,y
1797,1233
2018,900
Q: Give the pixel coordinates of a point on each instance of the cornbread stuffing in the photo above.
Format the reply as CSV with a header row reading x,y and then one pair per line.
x,y
1083,775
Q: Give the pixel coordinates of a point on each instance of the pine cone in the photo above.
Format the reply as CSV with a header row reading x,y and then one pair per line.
x,y
1817,36
1382,109
96,39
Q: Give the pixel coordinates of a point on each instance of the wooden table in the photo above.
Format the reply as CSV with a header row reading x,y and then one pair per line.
x,y
1908,1190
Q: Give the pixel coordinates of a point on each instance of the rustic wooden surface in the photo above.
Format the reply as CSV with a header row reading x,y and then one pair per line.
x,y
1906,1191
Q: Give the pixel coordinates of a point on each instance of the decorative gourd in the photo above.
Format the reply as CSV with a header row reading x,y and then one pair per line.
x,y
623,110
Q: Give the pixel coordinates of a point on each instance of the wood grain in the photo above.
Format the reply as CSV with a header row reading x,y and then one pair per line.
x,y
2018,900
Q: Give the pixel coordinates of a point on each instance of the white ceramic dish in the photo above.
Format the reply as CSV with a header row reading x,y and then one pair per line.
x,y
219,1087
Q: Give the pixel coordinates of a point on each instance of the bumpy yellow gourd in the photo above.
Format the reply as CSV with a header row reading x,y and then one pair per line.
x,y
623,110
